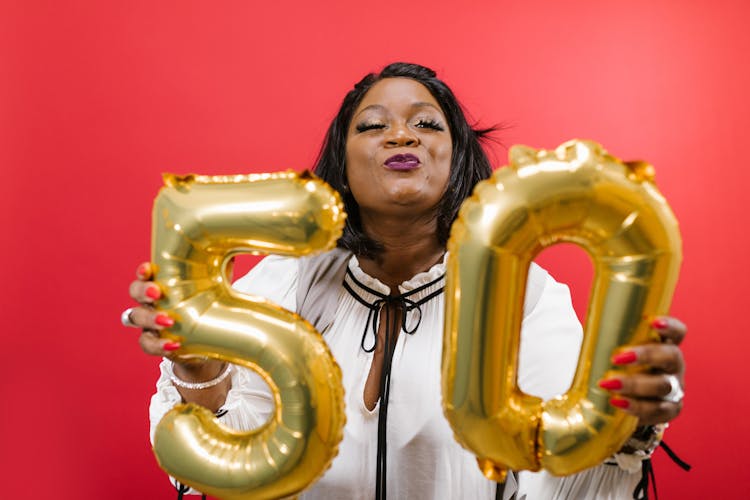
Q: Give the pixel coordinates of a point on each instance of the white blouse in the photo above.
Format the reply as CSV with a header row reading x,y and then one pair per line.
x,y
424,461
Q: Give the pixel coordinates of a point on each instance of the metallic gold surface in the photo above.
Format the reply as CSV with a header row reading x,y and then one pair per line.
x,y
199,222
578,194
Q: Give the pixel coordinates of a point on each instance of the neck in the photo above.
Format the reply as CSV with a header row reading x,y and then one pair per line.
x,y
410,246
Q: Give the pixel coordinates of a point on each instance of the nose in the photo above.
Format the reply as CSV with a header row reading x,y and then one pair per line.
x,y
401,135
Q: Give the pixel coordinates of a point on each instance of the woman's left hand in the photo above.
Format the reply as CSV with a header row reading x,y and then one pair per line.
x,y
655,394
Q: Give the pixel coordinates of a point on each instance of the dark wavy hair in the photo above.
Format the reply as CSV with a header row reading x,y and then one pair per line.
x,y
469,164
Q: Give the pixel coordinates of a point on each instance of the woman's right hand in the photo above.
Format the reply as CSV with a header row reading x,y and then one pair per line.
x,y
144,316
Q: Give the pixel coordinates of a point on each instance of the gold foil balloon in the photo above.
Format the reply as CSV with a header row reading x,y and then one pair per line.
x,y
579,194
199,222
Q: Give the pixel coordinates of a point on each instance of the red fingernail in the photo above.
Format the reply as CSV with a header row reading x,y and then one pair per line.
x,y
153,292
170,346
620,403
611,384
164,320
659,323
624,358
143,270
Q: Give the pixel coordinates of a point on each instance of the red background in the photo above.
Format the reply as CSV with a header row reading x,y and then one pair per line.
x,y
98,98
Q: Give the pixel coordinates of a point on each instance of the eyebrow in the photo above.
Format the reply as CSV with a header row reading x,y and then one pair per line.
x,y
418,104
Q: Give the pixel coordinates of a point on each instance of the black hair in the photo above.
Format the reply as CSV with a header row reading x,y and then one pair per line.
x,y
469,164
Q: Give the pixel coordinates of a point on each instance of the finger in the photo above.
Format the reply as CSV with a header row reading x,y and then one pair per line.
x,y
638,386
649,412
670,330
149,319
144,271
145,292
152,344
666,358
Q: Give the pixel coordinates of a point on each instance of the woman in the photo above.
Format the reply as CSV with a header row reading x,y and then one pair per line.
x,y
403,157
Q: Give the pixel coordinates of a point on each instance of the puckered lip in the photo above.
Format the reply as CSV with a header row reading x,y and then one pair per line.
x,y
402,162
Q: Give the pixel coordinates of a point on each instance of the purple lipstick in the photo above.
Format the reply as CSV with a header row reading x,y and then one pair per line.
x,y
402,162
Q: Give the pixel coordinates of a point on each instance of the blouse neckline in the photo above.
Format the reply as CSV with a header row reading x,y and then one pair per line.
x,y
422,278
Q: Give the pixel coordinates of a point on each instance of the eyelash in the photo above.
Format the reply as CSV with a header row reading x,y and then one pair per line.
x,y
431,124
364,127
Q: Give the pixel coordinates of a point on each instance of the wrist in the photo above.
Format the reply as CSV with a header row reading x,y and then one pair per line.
x,y
639,447
198,376
645,439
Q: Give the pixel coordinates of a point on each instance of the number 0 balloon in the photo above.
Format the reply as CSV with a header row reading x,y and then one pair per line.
x,y
199,222
579,194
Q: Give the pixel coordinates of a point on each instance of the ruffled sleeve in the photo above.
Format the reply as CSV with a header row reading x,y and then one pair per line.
x,y
248,404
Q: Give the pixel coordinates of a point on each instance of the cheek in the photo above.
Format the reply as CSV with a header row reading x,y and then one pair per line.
x,y
355,176
446,149
356,156
445,156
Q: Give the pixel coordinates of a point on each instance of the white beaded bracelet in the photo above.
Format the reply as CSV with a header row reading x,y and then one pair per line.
x,y
196,385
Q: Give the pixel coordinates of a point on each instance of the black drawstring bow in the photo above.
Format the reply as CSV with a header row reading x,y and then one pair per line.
x,y
402,302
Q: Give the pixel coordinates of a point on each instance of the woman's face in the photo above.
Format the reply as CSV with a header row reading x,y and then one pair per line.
x,y
398,150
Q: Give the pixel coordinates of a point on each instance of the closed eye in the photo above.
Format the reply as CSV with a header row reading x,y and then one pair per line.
x,y
431,124
364,127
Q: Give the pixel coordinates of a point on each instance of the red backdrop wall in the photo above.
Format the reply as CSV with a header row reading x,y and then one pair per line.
x,y
98,98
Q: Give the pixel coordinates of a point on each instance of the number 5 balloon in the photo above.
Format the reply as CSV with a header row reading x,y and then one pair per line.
x,y
199,222
580,194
